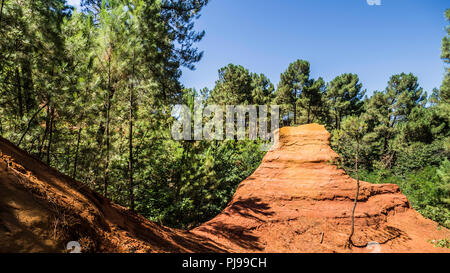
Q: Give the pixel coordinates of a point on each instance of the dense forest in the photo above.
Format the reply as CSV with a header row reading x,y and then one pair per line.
x,y
91,91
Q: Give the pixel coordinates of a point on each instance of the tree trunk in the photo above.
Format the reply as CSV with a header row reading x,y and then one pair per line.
x,y
336,121
19,93
29,123
27,85
295,113
130,142
1,12
388,136
108,118
130,161
350,242
1,30
47,123
75,163
105,191
340,120
309,112
50,138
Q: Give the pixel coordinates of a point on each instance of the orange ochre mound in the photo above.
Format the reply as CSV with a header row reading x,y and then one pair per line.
x,y
296,201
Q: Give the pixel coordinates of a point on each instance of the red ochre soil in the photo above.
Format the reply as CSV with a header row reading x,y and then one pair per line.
x,y
296,201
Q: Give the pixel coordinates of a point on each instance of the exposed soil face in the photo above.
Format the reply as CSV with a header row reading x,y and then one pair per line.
x,y
296,201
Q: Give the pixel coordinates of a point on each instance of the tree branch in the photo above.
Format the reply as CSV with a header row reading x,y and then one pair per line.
x,y
29,123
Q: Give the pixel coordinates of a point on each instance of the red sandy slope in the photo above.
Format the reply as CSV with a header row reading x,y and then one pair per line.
x,y
41,210
296,201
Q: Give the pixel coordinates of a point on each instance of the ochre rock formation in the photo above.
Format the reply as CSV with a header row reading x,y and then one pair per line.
x,y
296,201
299,201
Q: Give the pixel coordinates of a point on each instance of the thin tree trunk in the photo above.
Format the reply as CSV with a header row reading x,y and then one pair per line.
x,y
130,161
27,86
388,136
29,123
1,30
357,194
295,113
105,191
309,112
336,117
130,142
1,12
340,120
47,123
108,110
50,138
75,163
19,93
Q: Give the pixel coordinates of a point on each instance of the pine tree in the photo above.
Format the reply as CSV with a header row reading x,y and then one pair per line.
x,y
32,61
292,84
344,95
234,86
262,90
310,101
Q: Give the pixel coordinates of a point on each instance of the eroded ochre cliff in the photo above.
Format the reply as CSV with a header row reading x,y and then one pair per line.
x,y
296,201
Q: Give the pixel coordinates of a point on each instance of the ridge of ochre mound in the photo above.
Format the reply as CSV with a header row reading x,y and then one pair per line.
x,y
298,201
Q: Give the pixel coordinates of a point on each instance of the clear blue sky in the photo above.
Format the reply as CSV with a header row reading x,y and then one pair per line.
x,y
335,36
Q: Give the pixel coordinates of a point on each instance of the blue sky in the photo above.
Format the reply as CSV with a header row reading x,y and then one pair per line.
x,y
335,36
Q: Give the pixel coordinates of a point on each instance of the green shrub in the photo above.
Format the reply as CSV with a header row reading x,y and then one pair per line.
x,y
426,189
